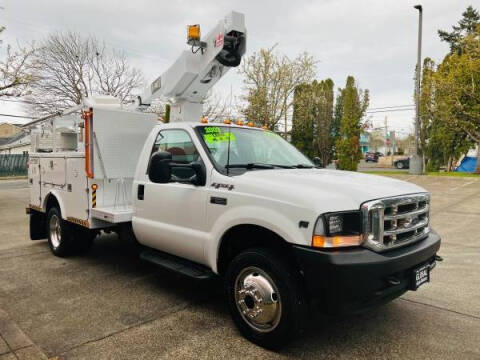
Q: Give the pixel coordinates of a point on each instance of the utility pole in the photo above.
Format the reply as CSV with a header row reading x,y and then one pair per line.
x,y
416,165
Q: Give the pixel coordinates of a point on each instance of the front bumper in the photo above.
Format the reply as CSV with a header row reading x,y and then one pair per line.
x,y
352,280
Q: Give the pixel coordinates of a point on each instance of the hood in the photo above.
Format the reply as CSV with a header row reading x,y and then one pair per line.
x,y
325,189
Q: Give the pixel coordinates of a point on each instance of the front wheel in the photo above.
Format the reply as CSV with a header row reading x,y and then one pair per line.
x,y
265,297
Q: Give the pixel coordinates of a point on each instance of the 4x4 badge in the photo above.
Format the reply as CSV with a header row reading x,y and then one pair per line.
x,y
223,186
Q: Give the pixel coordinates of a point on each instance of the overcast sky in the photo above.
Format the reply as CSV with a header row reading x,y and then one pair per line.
x,y
375,41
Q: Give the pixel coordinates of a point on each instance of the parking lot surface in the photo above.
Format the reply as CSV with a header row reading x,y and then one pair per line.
x,y
108,304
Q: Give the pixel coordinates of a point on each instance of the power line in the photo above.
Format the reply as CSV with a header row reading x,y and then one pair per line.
x,y
382,111
17,116
23,102
392,106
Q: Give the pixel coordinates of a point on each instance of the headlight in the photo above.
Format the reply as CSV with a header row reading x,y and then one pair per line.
x,y
338,230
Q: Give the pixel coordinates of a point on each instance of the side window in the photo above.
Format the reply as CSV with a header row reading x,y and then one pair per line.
x,y
180,145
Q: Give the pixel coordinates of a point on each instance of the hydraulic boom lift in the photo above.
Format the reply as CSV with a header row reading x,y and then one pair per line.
x,y
186,83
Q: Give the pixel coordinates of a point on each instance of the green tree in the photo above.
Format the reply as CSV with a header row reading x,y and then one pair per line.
x,y
466,26
312,119
166,118
427,105
324,96
457,85
355,103
270,80
303,128
337,119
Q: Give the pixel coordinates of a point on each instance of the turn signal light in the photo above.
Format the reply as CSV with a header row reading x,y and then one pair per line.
x,y
321,241
204,120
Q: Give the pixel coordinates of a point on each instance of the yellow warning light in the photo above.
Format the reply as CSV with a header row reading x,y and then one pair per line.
x,y
251,124
193,32
94,186
227,121
204,120
239,122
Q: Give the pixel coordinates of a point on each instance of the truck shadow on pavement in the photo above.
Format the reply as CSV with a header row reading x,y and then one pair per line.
x,y
109,298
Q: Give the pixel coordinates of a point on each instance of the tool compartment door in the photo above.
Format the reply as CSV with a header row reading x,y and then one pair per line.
x,y
53,170
34,181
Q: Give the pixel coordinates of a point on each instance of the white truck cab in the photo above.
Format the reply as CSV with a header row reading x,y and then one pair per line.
x,y
229,200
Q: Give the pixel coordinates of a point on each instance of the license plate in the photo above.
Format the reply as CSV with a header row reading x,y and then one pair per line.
x,y
420,276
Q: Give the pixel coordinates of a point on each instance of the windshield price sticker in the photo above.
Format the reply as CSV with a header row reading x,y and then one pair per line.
x,y
212,130
213,135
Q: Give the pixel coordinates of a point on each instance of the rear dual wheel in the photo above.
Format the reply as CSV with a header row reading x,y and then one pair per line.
x,y
65,238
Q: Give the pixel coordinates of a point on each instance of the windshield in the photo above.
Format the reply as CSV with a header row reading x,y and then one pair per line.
x,y
250,149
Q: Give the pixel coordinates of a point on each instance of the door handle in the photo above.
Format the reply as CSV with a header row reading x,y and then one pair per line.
x,y
140,192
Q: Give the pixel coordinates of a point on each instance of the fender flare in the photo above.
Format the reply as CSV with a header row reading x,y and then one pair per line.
x,y
271,220
57,197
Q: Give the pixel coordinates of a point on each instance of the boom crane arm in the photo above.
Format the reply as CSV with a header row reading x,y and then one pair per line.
x,y
186,83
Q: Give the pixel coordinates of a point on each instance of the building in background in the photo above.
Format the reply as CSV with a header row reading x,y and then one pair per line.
x,y
8,130
364,142
16,144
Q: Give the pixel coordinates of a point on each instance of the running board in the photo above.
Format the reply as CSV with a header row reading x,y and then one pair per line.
x,y
174,263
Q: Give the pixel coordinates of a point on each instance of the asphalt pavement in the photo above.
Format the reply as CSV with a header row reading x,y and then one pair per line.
x,y
110,305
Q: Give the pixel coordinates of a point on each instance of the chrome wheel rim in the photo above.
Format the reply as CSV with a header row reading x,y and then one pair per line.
x,y
257,299
55,231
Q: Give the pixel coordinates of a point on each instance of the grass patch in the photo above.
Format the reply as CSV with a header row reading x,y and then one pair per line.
x,y
432,173
453,173
19,177
385,172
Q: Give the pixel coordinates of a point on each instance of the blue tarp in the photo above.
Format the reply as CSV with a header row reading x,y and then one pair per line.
x,y
468,164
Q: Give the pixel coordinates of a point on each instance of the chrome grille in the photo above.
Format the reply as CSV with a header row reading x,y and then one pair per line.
x,y
397,221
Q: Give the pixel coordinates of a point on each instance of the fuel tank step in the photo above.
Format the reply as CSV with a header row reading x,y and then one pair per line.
x,y
174,263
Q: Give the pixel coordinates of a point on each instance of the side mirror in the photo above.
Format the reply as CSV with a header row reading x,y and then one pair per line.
x,y
160,170
317,161
200,173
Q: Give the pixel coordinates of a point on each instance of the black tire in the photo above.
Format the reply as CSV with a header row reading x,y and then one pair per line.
x,y
59,234
400,165
289,320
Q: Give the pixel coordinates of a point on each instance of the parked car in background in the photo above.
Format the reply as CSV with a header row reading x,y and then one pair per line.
x,y
402,163
371,157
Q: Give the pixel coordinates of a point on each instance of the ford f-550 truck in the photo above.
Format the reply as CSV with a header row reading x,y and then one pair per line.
x,y
229,200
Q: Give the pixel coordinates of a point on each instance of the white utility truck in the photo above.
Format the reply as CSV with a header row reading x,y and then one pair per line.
x,y
229,200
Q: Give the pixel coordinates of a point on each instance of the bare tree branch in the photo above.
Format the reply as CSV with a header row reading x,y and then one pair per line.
x,y
18,70
73,67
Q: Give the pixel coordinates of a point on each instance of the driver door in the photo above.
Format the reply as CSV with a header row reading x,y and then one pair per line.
x,y
171,216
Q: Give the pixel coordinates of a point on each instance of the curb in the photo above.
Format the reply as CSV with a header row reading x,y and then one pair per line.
x,y
18,344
